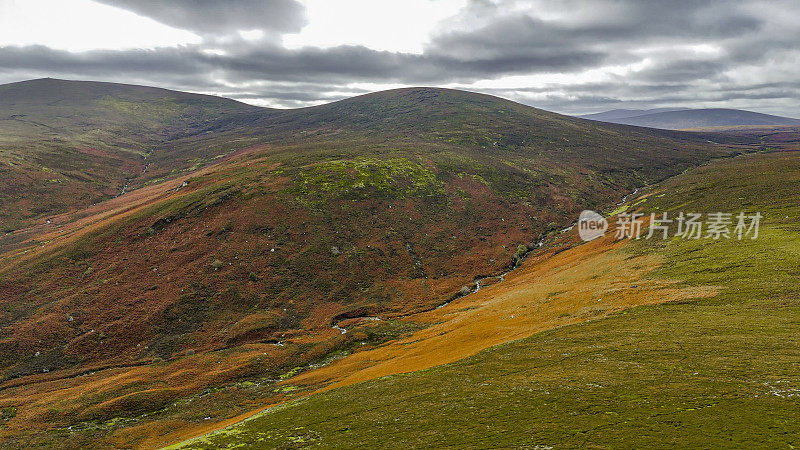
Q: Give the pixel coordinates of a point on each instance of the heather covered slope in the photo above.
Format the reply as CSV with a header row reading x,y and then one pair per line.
x,y
67,144
373,207
715,367
458,119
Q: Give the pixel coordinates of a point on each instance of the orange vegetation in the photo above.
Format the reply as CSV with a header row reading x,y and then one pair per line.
x,y
559,286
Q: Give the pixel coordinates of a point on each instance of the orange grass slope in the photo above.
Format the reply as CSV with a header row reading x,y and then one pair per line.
x,y
27,243
160,385
552,289
566,283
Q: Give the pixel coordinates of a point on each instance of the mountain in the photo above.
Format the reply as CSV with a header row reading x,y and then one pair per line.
x,y
576,367
71,144
301,236
692,118
68,144
615,114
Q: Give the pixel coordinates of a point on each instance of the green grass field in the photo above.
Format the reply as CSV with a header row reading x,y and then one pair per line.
x,y
705,373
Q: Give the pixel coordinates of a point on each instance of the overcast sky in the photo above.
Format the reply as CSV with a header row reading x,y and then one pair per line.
x,y
570,56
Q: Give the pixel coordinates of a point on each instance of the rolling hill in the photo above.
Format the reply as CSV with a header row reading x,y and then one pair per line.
x,y
316,236
709,361
683,119
67,144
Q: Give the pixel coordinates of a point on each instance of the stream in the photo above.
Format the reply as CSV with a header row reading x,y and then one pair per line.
x,y
128,180
478,283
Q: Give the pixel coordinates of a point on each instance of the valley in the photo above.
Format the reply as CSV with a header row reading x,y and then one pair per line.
x,y
491,224
287,257
713,349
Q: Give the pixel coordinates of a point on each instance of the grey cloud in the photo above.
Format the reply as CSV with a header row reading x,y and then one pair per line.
x,y
215,17
677,70
610,35
518,36
485,42
643,22
272,63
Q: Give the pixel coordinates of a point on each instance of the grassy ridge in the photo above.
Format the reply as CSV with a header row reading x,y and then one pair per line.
x,y
69,144
718,372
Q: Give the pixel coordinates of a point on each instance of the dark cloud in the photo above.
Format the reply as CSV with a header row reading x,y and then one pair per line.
x,y
681,69
516,37
643,22
215,16
611,53
272,63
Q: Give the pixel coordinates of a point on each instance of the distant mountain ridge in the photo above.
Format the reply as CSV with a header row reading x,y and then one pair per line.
x,y
615,114
680,119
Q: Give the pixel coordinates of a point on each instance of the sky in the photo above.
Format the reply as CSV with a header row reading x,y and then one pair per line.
x,y
569,56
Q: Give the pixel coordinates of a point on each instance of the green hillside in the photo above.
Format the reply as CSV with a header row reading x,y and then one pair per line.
x,y
67,144
703,373
324,219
